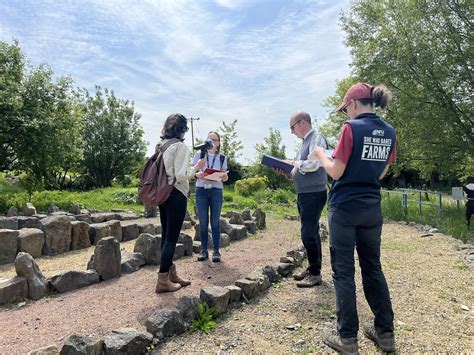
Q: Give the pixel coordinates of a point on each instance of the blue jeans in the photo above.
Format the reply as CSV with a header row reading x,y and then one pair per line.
x,y
209,199
310,206
358,225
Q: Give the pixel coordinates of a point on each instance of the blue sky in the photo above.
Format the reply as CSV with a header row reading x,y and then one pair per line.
x,y
256,61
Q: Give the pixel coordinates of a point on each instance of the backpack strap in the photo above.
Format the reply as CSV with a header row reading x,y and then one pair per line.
x,y
166,145
222,158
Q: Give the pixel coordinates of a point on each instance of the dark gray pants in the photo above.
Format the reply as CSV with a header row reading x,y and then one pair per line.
x,y
310,206
357,225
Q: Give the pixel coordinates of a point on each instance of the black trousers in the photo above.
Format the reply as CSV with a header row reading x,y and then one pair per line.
x,y
355,225
469,211
172,214
310,206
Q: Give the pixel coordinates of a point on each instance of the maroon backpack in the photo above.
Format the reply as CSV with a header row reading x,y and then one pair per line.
x,y
153,188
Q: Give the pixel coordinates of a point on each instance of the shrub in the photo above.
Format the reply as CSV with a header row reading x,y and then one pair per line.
x,y
247,187
126,197
205,319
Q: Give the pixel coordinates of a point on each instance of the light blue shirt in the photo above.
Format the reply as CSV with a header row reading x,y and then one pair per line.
x,y
213,161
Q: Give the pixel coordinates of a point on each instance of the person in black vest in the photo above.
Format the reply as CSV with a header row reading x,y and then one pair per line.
x,y
469,190
209,198
310,181
361,159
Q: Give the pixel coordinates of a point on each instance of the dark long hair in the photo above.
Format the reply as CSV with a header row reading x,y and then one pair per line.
x,y
380,97
175,125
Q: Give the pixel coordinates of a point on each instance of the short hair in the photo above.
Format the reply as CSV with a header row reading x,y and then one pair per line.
x,y
175,125
302,116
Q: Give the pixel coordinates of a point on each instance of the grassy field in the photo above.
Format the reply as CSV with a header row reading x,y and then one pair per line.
x,y
281,202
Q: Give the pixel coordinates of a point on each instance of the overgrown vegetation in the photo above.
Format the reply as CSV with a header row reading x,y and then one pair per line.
x,y
205,319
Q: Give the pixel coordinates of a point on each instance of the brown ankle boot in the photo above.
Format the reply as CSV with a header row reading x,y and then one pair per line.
x,y
164,284
175,278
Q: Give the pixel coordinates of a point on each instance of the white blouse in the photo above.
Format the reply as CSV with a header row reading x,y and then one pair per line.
x,y
176,159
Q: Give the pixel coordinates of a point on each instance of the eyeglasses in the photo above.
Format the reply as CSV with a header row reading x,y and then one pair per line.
x,y
292,127
215,140
344,109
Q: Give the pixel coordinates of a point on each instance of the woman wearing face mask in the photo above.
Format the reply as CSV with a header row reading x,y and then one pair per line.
x,y
173,210
209,198
362,156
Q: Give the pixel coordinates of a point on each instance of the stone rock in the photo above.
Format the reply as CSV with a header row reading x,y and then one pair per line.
x,y
127,341
263,281
235,218
189,218
157,229
130,231
196,247
28,222
150,247
164,323
31,241
12,212
284,269
235,231
433,230
26,267
179,251
197,235
13,290
98,231
251,226
297,255
115,229
151,211
216,297
250,288
188,307
288,259
9,223
271,273
246,215
82,345
186,225
291,217
29,209
107,258
187,241
104,217
75,209
72,280
235,293
57,233
80,235
131,262
260,218
47,350
53,208
84,217
225,240
8,245
146,227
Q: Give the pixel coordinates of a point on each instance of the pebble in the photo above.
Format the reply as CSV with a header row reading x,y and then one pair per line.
x,y
464,307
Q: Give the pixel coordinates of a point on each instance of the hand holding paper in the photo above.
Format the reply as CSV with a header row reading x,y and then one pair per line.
x,y
216,176
319,151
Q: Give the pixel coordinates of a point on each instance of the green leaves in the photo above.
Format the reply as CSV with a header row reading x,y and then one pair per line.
x,y
205,320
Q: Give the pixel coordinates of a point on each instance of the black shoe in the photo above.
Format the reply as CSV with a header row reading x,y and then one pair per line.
x,y
385,341
216,257
203,255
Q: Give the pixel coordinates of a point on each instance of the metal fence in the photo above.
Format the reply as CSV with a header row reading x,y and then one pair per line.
x,y
416,196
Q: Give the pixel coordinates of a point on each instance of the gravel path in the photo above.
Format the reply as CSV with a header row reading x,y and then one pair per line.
x,y
431,287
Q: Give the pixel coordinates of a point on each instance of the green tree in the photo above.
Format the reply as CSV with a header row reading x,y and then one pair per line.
x,y
12,66
112,138
272,145
231,147
423,51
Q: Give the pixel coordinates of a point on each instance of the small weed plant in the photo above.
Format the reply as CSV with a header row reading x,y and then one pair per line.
x,y
205,319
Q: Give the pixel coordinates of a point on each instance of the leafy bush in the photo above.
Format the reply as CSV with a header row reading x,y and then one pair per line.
x,y
247,187
205,319
127,197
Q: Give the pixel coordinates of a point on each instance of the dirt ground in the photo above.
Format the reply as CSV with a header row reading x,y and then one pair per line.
x,y
432,291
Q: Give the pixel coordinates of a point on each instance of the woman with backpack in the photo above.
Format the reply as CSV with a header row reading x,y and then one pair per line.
x,y
209,197
173,210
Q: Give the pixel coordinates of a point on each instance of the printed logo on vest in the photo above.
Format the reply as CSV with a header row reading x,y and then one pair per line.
x,y
375,148
378,132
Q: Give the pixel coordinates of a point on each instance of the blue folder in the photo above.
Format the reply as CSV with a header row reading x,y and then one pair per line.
x,y
277,163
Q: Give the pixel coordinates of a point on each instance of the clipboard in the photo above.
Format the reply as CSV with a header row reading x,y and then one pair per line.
x,y
215,176
277,163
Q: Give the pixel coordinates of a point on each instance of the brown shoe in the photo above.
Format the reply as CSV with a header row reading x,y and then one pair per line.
x,y
347,346
385,341
165,285
174,277
310,281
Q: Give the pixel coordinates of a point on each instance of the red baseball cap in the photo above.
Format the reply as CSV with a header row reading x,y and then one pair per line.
x,y
357,91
